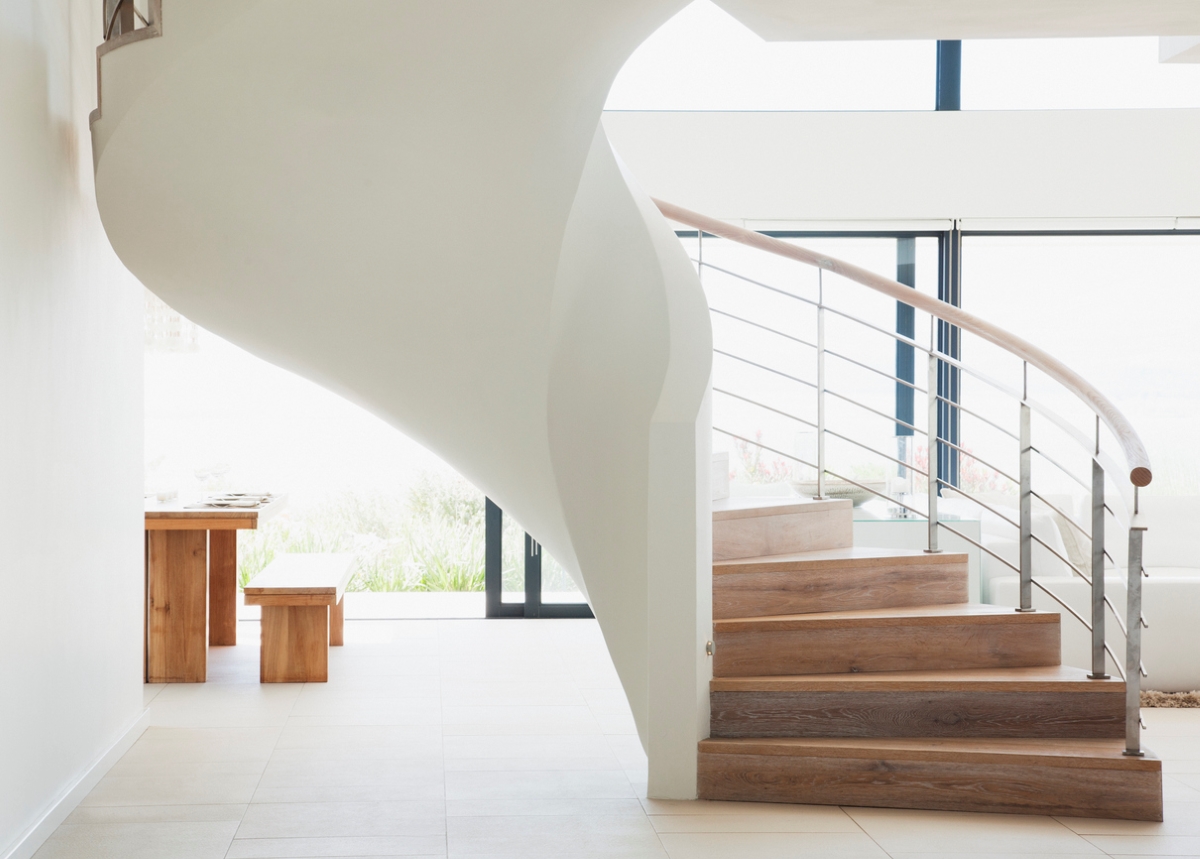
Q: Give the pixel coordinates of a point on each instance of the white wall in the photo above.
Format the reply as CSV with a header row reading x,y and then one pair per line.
x,y
70,429
784,166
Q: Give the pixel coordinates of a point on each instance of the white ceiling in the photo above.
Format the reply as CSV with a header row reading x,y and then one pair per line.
x,y
801,20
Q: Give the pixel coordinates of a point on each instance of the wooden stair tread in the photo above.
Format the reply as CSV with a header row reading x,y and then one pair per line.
x,y
1106,753
847,558
926,615
1045,678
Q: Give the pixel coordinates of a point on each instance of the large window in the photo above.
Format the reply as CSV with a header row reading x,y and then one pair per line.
x,y
219,419
1122,310
705,59
1071,74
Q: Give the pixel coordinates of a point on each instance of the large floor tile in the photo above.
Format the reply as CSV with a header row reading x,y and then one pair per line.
x,y
192,840
529,752
174,788
705,806
363,780
802,819
1164,722
1147,845
773,845
1179,818
513,718
505,740
169,746
156,813
551,835
374,740
905,831
342,819
379,847
596,784
541,807
535,692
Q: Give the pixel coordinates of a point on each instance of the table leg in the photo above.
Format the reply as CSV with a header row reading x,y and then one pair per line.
x,y
295,644
176,606
337,617
222,588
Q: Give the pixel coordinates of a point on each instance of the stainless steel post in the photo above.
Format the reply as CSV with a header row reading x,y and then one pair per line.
x,y
820,383
931,435
1099,659
1133,641
1026,475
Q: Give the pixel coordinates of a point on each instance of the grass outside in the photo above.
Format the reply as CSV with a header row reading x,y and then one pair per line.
x,y
431,539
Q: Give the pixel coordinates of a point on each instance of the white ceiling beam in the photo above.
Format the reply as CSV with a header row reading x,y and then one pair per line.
x,y
839,20
1179,49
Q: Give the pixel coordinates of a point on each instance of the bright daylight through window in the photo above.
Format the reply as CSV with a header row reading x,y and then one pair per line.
x,y
219,419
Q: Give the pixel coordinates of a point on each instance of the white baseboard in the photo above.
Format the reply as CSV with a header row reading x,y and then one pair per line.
x,y
35,836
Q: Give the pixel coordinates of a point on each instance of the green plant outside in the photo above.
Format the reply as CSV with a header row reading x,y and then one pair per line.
x,y
432,539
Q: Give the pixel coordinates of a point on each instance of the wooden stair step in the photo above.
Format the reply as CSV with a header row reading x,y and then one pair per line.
x,y
836,580
1040,702
934,637
752,527
1078,778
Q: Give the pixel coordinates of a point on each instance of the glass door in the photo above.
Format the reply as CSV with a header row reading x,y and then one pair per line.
x,y
520,579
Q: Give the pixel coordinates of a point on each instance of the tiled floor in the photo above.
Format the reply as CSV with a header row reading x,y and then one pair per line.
x,y
500,739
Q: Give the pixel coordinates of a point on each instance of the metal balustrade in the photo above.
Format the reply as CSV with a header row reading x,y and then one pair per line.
x,y
123,17
1104,470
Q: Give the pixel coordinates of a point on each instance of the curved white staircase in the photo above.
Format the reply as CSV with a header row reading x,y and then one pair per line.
x,y
414,205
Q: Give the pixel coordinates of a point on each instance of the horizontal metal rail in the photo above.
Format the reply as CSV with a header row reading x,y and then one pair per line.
x,y
833,433
1138,462
865,407
960,407
968,497
980,460
763,327
978,545
751,280
1062,468
1071,521
937,401
827,471
788,415
1056,554
883,373
765,367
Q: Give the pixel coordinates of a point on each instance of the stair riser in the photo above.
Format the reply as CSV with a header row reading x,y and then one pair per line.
x,y
986,785
830,588
855,647
825,526
956,714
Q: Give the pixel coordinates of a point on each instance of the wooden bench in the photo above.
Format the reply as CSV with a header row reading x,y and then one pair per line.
x,y
302,614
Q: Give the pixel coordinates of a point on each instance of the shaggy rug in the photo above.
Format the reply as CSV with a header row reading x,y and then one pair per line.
x,y
1170,699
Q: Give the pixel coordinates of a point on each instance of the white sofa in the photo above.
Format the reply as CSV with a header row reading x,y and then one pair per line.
x,y
999,536
1170,596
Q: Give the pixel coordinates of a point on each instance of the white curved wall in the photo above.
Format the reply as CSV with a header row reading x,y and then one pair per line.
x,y
413,204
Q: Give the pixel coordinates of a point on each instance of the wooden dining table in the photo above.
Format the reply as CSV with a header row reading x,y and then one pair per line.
x,y
191,583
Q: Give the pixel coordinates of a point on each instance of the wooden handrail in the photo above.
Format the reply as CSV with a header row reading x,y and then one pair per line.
x,y
1135,452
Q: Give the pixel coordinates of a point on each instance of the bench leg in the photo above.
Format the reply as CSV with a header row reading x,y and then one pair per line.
x,y
295,644
337,617
176,606
222,588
